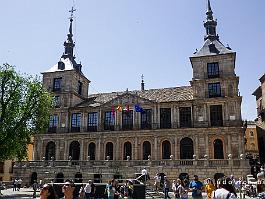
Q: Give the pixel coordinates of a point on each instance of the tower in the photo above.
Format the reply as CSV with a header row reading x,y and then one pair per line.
x,y
66,79
214,82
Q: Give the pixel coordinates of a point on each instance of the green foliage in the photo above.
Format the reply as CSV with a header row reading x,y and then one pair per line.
x,y
24,110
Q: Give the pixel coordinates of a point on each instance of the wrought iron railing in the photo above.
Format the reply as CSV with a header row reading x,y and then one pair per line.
x,y
136,126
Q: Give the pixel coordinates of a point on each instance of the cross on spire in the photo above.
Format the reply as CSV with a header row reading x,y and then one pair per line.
x,y
72,12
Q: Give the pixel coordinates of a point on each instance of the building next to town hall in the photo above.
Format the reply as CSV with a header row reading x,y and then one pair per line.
x,y
177,131
259,93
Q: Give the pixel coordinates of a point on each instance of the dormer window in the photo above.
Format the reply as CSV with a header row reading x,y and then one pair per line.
x,y
61,65
79,87
213,70
57,84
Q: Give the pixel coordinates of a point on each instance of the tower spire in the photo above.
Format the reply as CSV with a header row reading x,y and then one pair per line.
x,y
210,24
69,43
142,83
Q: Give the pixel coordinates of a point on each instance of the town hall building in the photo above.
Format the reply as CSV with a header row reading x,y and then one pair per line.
x,y
178,131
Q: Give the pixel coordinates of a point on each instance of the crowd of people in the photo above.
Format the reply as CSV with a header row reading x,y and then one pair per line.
x,y
222,188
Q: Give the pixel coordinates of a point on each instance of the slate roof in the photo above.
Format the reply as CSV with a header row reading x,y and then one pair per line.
x,y
68,66
172,94
214,47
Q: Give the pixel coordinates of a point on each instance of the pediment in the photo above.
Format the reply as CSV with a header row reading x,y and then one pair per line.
x,y
128,99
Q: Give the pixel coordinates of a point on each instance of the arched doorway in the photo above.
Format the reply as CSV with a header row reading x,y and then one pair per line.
x,y
109,150
74,150
218,149
50,151
146,150
186,148
127,150
166,149
34,178
92,151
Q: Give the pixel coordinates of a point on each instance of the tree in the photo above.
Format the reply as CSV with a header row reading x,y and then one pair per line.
x,y
24,111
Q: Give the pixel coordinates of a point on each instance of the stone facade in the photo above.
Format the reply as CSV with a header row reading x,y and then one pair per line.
x,y
189,130
260,120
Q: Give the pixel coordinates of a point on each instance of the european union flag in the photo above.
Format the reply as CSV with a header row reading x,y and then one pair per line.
x,y
138,108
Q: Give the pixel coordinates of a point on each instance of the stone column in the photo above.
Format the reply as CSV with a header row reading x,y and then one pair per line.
x,y
228,145
155,149
176,148
135,149
57,153
172,116
82,150
118,152
206,145
177,116
66,150
158,116
98,151
196,146
154,117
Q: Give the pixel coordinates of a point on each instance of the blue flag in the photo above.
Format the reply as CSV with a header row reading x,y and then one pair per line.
x,y
138,108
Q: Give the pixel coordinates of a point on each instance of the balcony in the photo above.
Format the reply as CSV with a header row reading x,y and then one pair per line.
x,y
88,164
146,127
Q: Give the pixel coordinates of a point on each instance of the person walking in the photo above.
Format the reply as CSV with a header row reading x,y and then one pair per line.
x,y
88,190
157,179
144,173
196,187
209,187
174,188
166,187
109,190
183,193
35,187
19,183
225,190
47,192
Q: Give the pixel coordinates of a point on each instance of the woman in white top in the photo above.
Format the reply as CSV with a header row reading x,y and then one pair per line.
x,y
225,190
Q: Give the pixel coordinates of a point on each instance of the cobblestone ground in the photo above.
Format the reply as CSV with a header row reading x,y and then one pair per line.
x,y
26,193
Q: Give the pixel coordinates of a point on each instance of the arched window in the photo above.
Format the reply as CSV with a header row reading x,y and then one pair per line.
x,y
109,150
74,150
186,148
146,150
218,149
92,151
127,150
50,151
166,149
251,133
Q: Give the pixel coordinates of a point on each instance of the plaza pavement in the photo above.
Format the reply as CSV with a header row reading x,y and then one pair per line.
x,y
27,193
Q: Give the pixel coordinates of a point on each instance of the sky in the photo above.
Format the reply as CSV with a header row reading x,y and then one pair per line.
x,y
119,40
